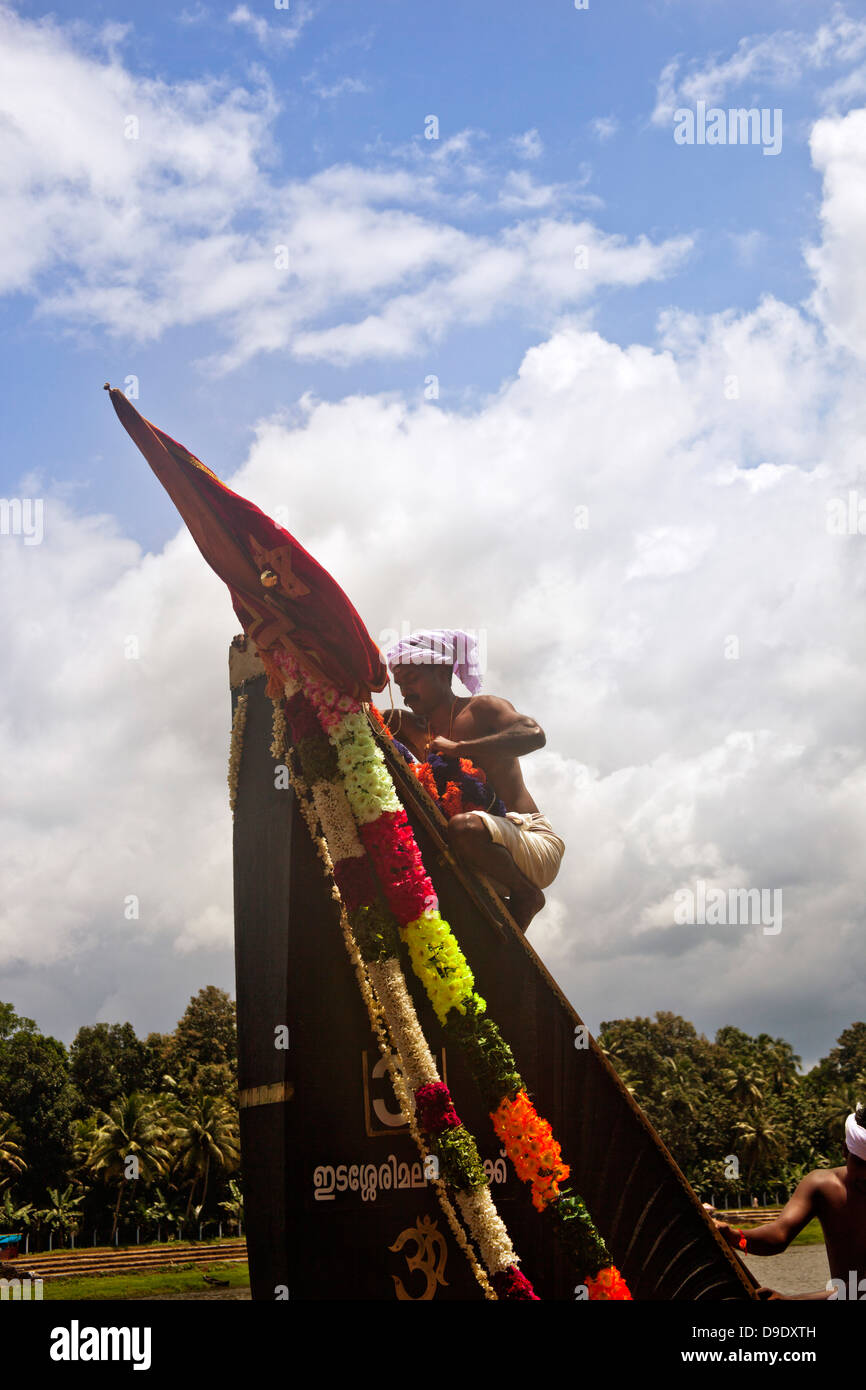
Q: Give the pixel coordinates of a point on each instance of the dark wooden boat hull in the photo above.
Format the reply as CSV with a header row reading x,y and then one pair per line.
x,y
336,1206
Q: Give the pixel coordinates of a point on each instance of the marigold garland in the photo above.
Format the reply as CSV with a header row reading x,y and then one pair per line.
x,y
607,1285
529,1143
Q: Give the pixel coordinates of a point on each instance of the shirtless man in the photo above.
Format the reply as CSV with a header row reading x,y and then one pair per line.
x,y
837,1196
520,854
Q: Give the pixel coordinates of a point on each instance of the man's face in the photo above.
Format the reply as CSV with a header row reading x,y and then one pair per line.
x,y
422,687
857,1171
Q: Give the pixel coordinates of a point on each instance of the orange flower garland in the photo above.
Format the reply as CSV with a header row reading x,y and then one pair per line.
x,y
608,1286
529,1143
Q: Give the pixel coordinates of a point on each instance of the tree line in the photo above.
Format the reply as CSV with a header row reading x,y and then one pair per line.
x,y
738,1114
118,1132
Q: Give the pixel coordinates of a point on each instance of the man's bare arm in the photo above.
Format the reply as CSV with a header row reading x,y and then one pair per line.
x,y
775,1236
511,734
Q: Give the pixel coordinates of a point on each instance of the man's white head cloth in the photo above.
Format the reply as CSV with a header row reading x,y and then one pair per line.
x,y
855,1137
440,647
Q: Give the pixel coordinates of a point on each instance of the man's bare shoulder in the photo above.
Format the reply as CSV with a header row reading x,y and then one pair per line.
x,y
491,710
822,1182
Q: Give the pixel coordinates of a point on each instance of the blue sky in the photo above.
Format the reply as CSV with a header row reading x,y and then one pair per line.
x,y
696,382
354,88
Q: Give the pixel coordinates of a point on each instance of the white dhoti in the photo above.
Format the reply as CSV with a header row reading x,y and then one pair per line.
x,y
531,841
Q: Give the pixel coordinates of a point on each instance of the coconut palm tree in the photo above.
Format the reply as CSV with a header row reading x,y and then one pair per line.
x,y
744,1085
683,1084
207,1137
132,1129
761,1141
841,1101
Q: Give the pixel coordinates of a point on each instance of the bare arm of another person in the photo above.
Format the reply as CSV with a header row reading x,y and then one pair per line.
x,y
775,1236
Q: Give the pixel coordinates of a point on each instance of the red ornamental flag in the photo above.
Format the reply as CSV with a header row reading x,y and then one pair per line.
x,y
281,595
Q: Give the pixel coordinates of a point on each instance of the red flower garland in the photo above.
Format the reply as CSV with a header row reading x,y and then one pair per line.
x,y
356,882
436,1108
510,1283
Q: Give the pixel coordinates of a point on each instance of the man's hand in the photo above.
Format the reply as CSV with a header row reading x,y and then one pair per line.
x,y
445,747
729,1234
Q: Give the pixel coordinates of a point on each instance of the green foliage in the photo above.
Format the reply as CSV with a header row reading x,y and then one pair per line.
x,y
459,1163
737,1098
70,1122
106,1060
574,1227
207,1033
849,1054
39,1098
490,1058
11,1023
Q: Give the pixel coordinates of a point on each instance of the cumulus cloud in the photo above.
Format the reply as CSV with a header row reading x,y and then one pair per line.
x,y
641,532
642,536
138,206
839,152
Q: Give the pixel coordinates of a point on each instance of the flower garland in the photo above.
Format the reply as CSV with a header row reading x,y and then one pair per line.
x,y
384,831
346,809
455,784
236,749
374,1008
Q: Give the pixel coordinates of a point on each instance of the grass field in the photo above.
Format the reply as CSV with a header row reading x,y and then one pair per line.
x,y
108,1287
131,1286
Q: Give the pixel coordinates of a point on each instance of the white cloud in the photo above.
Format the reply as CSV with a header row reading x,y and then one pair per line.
x,y
286,28
340,88
529,145
603,127
837,264
748,245
672,755
780,59
705,463
125,197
